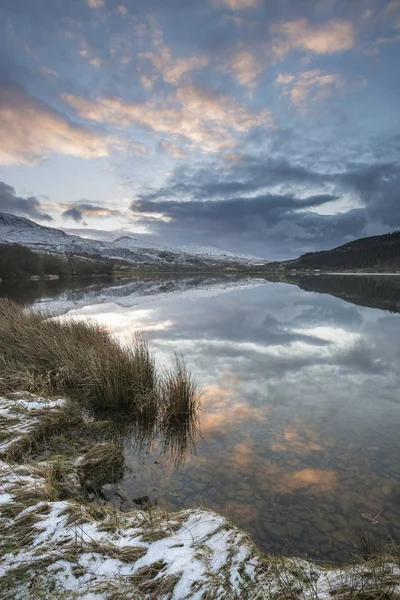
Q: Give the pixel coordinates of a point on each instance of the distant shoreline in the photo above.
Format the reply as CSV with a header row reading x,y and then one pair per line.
x,y
387,273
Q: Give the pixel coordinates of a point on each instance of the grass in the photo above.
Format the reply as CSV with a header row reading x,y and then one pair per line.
x,y
103,463
81,360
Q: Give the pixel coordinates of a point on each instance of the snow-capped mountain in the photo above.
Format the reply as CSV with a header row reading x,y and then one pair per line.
x,y
128,249
206,251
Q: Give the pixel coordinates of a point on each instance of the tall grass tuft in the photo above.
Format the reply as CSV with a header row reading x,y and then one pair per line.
x,y
54,356
179,392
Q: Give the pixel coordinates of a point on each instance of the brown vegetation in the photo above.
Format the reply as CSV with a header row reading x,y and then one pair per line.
x,y
52,356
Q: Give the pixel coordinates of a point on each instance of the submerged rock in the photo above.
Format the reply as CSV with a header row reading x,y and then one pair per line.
x,y
126,506
108,491
143,501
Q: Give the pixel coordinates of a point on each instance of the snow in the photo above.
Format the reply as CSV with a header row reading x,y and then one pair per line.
x,y
47,239
207,555
134,293
193,249
23,414
180,550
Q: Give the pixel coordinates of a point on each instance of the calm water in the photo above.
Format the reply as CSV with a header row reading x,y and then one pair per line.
x,y
300,439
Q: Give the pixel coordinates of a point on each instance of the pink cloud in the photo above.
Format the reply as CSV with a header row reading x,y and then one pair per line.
x,y
235,4
330,37
208,120
30,132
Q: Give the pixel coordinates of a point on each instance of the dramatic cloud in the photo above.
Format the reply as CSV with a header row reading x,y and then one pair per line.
x,y
30,131
234,207
309,87
25,207
268,207
209,120
272,226
265,126
334,36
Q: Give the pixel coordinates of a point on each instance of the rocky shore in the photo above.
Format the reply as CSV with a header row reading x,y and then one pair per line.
x,y
58,542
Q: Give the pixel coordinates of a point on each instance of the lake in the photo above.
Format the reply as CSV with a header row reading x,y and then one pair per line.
x,y
298,439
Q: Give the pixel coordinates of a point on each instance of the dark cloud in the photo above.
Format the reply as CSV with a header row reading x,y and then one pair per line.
x,y
379,188
237,207
248,175
16,205
79,210
73,213
270,208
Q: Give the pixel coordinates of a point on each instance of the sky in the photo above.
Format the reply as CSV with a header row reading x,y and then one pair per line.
x,y
267,127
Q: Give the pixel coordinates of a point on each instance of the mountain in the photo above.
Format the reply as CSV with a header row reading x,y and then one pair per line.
x,y
192,249
377,253
125,251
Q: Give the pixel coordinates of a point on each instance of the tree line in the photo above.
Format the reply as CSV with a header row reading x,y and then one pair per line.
x,y
18,262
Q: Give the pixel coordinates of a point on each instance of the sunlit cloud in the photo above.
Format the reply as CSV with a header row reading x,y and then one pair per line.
x,y
79,210
173,149
247,67
334,36
30,131
95,3
310,87
207,119
95,62
171,70
235,4
160,62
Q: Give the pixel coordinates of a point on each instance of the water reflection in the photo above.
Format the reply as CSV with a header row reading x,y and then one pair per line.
x,y
172,439
299,426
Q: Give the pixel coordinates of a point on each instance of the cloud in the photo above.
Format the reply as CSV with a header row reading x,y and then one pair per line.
x,y
309,87
241,208
173,149
382,41
379,188
393,12
79,210
209,120
334,36
16,205
171,69
31,131
267,206
95,3
247,67
73,213
273,226
236,4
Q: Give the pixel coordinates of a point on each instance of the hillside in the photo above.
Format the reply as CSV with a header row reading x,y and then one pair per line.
x,y
374,292
377,253
126,250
